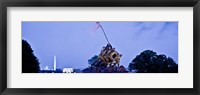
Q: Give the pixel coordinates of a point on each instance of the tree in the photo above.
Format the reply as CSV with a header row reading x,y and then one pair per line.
x,y
92,60
149,62
30,63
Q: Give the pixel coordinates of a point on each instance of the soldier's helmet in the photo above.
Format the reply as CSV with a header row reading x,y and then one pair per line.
x,y
109,46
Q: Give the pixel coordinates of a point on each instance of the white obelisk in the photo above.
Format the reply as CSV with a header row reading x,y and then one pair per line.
x,y
54,63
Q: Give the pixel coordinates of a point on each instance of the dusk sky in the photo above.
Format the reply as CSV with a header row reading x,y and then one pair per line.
x,y
74,43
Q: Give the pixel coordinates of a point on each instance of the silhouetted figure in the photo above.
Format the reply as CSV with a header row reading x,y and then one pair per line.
x,y
30,62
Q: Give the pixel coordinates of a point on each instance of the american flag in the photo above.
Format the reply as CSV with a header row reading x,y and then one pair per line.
x,y
97,26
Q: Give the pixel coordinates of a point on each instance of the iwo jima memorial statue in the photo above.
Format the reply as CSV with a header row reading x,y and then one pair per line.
x,y
108,59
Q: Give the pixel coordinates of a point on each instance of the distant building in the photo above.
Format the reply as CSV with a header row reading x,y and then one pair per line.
x,y
54,70
46,68
68,70
54,63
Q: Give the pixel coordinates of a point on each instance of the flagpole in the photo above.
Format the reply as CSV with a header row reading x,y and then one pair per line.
x,y
104,33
